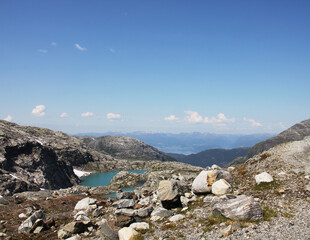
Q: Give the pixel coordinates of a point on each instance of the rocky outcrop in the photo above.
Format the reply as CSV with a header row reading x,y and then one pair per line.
x,y
238,208
295,133
126,148
28,165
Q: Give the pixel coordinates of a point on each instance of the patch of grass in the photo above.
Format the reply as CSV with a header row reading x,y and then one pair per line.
x,y
287,215
169,226
266,186
269,213
264,156
139,236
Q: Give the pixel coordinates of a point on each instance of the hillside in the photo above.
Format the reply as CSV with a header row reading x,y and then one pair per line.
x,y
212,156
294,133
188,143
126,148
33,158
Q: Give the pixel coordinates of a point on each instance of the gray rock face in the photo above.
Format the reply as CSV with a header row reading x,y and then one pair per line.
x,y
124,203
295,133
125,195
161,212
106,232
126,148
26,226
238,208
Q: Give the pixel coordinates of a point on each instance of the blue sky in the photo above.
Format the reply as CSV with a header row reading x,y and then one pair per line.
x,y
163,66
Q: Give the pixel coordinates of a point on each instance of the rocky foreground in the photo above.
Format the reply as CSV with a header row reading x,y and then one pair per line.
x,y
256,200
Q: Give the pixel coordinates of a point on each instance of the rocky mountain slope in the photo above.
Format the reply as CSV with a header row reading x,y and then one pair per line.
x,y
294,133
212,156
125,148
32,158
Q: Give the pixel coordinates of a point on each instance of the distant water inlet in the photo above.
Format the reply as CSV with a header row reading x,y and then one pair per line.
x,y
103,179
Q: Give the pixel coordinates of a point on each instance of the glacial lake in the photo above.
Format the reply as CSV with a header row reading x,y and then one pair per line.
x,y
102,179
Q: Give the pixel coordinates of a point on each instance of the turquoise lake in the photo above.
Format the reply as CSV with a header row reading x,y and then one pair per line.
x,y
102,179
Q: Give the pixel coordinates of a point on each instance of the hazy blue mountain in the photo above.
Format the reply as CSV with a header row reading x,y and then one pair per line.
x,y
187,143
212,156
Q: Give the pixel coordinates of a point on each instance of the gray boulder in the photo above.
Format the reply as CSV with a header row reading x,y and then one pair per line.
x,y
237,208
106,232
161,212
124,203
167,190
27,225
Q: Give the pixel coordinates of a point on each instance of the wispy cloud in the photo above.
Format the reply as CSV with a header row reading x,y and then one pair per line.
x,y
53,44
38,111
87,114
8,118
42,50
171,118
253,122
220,118
79,47
112,50
195,117
64,114
112,116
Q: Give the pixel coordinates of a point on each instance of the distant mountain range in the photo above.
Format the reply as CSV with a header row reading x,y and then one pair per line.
x,y
209,157
188,143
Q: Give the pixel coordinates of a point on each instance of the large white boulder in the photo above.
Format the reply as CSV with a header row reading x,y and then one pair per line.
x,y
127,233
86,204
203,182
167,190
221,187
263,177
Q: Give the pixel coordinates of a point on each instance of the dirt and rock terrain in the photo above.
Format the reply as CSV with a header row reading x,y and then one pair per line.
x,y
267,197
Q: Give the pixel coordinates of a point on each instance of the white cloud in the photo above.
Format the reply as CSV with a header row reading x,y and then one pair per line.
x,y
171,118
64,114
220,118
254,123
42,50
87,114
38,111
8,118
79,47
113,116
53,44
193,117
112,50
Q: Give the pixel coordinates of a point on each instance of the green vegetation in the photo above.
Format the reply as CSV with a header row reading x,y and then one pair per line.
x,y
266,186
268,213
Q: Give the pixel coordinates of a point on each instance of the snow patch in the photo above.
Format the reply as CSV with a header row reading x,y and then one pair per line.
x,y
80,173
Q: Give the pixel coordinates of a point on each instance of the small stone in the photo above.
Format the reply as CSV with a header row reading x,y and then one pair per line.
x,y
125,195
106,232
281,191
184,201
74,227
263,177
161,212
127,233
98,212
22,215
140,226
63,234
86,204
39,229
124,203
176,218
123,221
126,212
